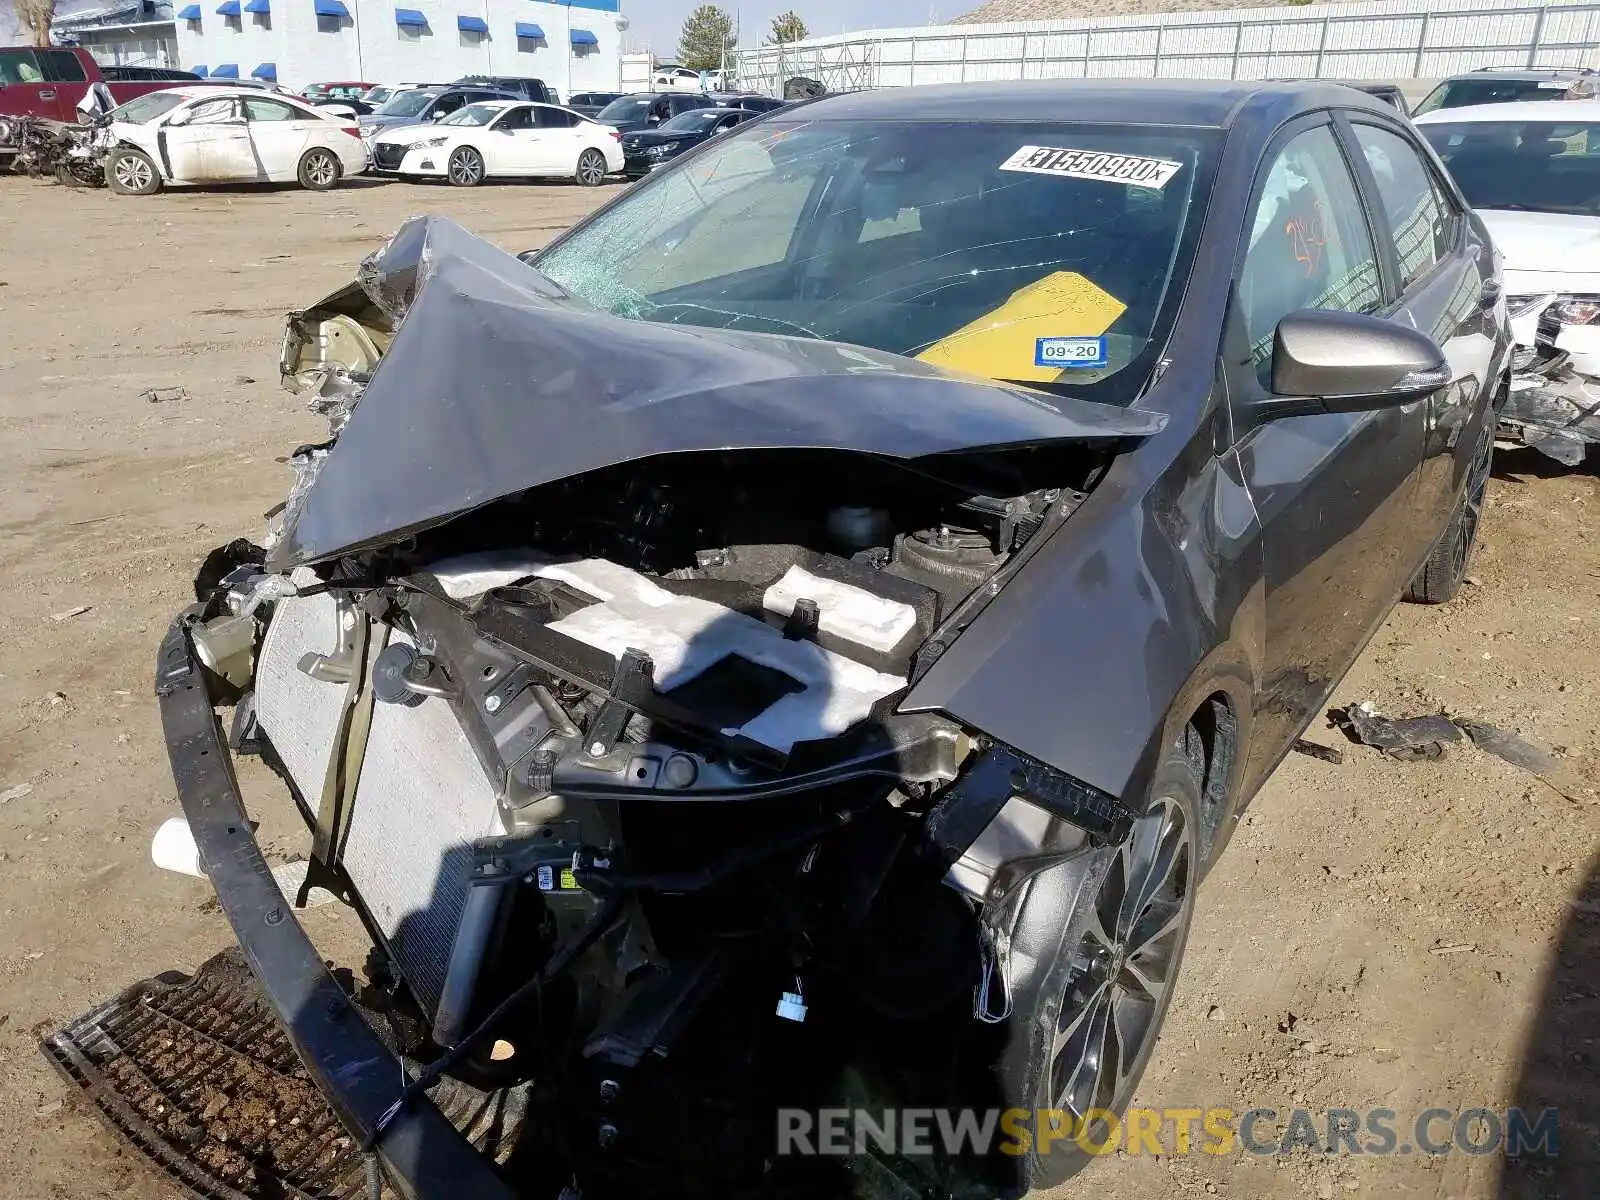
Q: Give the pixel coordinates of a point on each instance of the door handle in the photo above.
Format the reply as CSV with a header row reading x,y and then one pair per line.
x,y
47,93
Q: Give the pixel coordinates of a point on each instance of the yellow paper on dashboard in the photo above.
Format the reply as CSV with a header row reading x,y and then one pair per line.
x,y
1001,344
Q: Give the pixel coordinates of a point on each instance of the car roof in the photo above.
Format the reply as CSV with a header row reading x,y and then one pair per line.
x,y
1214,103
1523,73
216,92
1515,110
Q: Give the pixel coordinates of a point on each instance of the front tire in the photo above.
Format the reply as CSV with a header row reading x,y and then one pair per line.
x,y
465,168
1080,1040
591,168
319,170
1442,574
131,172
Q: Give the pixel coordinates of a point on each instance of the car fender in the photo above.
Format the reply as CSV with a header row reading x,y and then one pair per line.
x,y
151,143
1144,603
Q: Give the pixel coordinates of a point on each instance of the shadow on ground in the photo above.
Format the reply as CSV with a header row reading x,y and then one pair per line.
x,y
1559,1066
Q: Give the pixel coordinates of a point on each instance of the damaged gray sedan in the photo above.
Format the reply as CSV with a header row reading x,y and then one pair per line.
x,y
798,641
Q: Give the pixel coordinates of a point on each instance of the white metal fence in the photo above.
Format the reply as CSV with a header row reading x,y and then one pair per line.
x,y
1376,39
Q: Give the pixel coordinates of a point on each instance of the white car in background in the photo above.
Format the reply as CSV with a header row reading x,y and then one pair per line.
x,y
382,93
1531,171
501,138
209,134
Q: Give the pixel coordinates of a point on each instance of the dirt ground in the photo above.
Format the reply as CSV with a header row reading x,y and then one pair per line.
x,y
1407,935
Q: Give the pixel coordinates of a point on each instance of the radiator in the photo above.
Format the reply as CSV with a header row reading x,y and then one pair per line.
x,y
421,800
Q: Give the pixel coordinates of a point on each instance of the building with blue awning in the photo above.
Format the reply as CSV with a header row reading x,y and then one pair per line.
x,y
574,47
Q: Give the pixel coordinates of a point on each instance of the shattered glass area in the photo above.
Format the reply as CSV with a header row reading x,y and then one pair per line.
x,y
938,242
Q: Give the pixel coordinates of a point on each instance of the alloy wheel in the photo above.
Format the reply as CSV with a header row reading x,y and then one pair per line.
x,y
1125,964
591,167
133,173
466,168
321,170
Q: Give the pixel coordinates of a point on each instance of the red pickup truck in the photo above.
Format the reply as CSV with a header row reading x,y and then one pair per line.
x,y
49,82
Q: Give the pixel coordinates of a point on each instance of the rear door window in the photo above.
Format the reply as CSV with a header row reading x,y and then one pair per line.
x,y
270,110
62,66
1422,220
555,118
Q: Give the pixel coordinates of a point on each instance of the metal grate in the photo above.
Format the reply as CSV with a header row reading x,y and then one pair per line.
x,y
195,1072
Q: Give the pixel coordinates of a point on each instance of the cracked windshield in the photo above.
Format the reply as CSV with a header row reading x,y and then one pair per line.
x,y
1045,254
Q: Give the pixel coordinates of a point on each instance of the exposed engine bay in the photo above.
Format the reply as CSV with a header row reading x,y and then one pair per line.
x,y
613,768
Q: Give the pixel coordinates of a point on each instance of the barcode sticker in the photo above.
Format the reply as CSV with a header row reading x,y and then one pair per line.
x,y
1134,170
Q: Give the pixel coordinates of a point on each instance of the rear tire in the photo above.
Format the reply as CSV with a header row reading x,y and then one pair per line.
x,y
1442,574
131,172
319,170
1081,1035
465,168
591,168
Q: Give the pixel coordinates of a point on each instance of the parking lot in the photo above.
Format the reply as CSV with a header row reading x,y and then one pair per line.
x,y
1408,935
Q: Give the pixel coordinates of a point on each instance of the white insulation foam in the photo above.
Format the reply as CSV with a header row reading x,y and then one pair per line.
x,y
848,612
684,636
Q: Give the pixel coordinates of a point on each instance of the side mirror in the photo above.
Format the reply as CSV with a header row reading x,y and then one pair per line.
x,y
1325,361
653,119
438,116
528,256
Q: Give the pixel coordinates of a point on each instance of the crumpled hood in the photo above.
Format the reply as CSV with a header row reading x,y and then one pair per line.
x,y
1556,242
497,381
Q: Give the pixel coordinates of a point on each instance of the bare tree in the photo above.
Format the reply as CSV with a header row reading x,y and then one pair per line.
x,y
36,17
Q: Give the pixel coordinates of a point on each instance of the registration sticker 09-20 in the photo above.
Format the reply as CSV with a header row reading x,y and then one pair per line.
x,y
1069,352
1131,169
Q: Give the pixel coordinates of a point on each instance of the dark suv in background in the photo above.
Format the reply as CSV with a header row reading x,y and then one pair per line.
x,y
747,103
419,106
590,103
520,86
646,110
1493,85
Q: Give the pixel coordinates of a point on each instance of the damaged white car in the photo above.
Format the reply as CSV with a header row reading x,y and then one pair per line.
x,y
1531,170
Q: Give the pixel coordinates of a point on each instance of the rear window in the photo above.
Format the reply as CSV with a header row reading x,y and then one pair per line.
x,y
407,104
63,67
626,108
